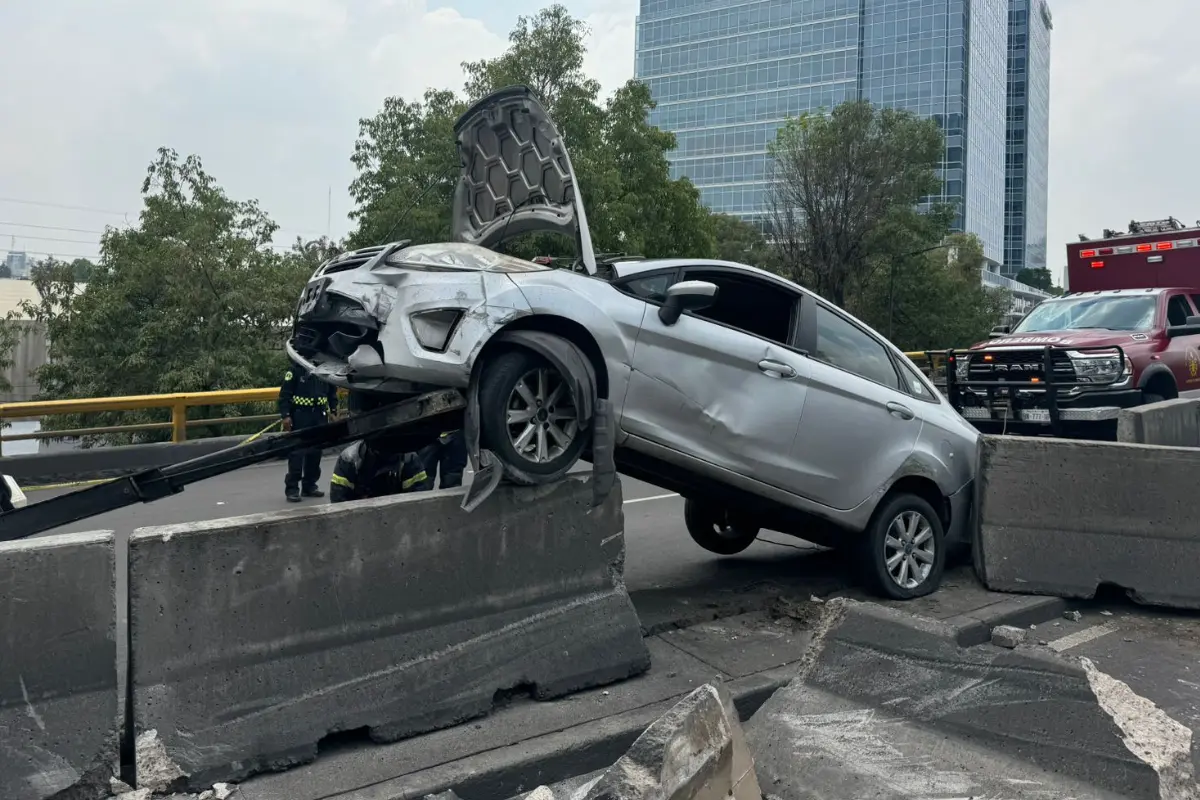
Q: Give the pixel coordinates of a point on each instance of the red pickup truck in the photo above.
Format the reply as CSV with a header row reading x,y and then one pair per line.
x,y
1126,334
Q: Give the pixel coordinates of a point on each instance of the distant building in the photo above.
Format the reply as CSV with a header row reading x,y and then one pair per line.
x,y
1028,158
725,74
19,264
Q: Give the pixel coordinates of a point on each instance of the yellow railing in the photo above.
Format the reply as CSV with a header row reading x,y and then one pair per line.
x,y
180,403
177,403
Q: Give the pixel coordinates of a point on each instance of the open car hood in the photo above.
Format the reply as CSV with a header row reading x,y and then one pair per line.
x,y
516,175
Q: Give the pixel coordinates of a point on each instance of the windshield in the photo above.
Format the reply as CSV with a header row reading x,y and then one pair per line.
x,y
1131,313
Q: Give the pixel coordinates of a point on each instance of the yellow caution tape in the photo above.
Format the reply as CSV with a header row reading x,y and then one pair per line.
x,y
77,484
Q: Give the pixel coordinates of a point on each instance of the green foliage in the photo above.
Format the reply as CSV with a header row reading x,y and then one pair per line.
x,y
1039,278
845,194
741,241
936,299
632,203
191,299
5,271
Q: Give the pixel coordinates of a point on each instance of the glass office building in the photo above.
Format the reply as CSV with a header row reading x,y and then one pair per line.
x,y
727,73
1028,154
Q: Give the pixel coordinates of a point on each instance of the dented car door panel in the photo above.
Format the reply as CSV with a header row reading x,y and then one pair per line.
x,y
697,387
854,435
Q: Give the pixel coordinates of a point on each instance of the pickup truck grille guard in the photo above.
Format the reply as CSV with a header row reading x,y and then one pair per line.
x,y
1022,384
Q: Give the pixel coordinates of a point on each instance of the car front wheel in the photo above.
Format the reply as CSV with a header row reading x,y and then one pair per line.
x,y
905,549
528,417
716,529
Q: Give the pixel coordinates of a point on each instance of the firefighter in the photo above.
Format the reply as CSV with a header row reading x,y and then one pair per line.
x,y
304,402
448,455
376,470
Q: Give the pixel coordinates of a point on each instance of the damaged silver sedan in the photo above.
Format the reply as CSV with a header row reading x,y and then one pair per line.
x,y
761,404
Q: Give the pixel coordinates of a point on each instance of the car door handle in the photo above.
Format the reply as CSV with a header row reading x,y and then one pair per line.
x,y
903,412
776,368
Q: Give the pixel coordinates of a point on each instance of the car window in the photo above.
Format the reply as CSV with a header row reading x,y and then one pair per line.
x,y
1178,310
842,344
749,304
651,287
915,383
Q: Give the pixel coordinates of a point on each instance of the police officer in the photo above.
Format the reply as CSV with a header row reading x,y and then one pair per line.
x,y
304,402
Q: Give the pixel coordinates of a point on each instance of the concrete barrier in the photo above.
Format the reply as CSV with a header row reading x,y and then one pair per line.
x,y
59,712
1174,423
888,705
696,751
252,638
1063,517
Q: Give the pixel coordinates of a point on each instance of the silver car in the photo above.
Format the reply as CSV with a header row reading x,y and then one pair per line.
x,y
763,405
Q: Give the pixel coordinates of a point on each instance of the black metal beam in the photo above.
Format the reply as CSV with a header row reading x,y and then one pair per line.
x,y
409,425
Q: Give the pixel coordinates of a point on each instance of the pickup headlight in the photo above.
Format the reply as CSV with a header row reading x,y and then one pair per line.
x,y
1097,367
433,328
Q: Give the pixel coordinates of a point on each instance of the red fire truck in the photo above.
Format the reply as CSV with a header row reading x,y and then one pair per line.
x,y
1126,333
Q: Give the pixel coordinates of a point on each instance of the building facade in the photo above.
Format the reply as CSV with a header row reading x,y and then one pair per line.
x,y
727,73
1028,140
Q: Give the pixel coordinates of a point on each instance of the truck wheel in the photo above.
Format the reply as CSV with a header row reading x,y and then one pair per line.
x,y
716,529
528,418
1148,398
905,549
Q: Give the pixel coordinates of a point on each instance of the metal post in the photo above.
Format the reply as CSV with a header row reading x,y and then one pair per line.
x,y
179,422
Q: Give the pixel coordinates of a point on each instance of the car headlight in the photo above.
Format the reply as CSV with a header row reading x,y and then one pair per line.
x,y
1097,367
434,328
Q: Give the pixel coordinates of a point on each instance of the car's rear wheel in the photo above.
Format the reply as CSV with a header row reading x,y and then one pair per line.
x,y
905,549
717,529
528,416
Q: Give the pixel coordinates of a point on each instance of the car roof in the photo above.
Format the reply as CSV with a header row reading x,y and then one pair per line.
x,y
628,268
1114,293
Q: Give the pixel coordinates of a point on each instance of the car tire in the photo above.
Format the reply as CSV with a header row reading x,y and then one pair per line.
x,y
716,530
535,453
1148,398
905,515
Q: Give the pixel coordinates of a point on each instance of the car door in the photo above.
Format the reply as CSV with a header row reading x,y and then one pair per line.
x,y
1182,355
859,424
722,384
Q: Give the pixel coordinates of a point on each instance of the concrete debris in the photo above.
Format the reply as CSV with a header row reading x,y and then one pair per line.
x,y
118,787
695,751
1106,613
138,794
1007,636
223,791
540,793
1074,616
446,795
156,770
1149,733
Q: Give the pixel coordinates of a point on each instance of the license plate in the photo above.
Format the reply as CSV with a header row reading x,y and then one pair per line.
x,y
310,298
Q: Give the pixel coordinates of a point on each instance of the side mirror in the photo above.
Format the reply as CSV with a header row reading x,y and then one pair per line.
x,y
686,296
999,330
1190,329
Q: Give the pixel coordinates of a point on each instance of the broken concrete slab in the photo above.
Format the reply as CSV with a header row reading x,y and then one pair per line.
x,y
1103,529
252,638
696,751
887,704
59,710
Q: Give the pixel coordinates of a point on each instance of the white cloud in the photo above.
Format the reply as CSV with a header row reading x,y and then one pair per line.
x,y
1123,117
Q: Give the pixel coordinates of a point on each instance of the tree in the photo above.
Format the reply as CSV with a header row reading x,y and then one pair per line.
x,y
633,205
82,268
1039,278
5,270
845,193
938,299
191,299
741,241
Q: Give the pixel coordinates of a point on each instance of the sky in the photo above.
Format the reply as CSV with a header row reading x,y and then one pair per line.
x,y
269,93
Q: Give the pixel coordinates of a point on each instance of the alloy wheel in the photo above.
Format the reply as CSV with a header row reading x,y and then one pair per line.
x,y
541,418
909,549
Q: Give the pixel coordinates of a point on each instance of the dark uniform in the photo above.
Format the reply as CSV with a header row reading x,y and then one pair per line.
x,y
447,455
307,402
364,471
